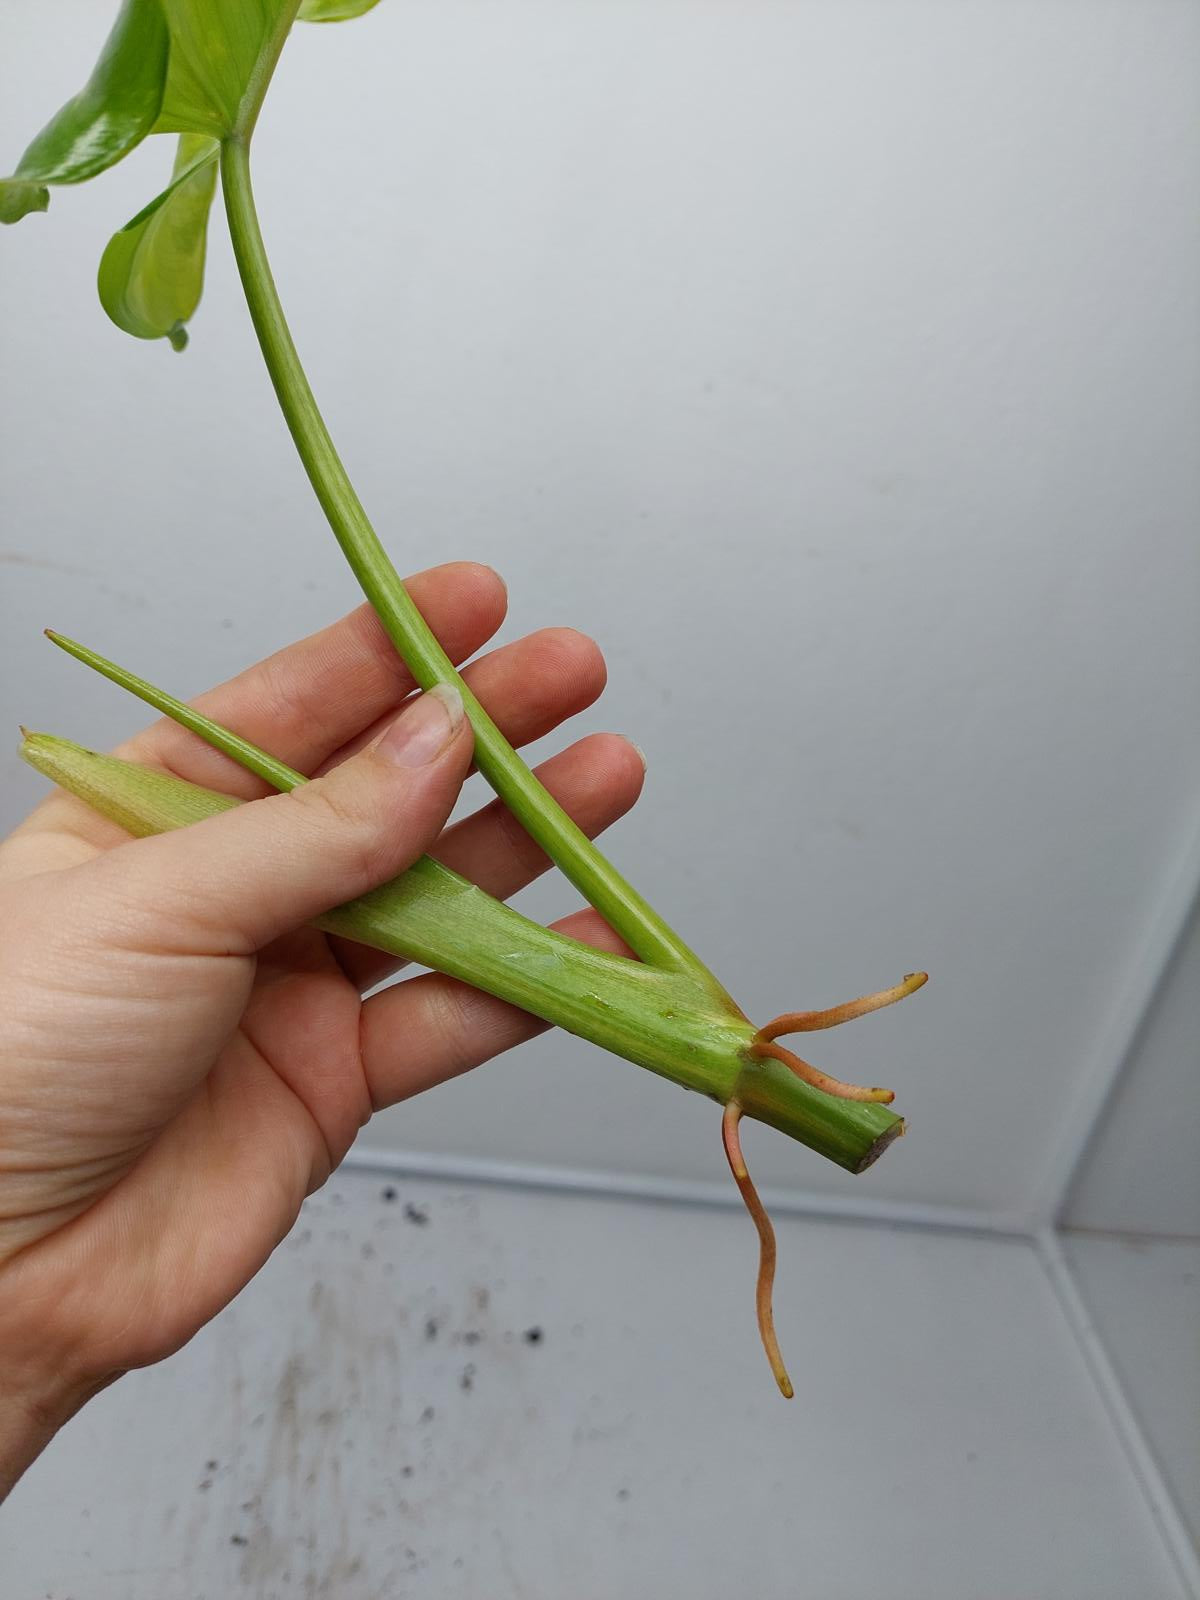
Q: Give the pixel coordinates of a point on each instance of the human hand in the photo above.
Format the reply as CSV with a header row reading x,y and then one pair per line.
x,y
183,1060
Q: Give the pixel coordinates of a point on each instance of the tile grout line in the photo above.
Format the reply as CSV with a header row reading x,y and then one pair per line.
x,y
1152,1482
1143,977
1127,1235
681,1191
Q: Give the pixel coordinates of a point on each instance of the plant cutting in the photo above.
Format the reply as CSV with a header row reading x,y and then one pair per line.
x,y
199,70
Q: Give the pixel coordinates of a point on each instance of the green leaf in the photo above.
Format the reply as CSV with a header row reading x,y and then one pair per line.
x,y
221,58
168,66
334,10
152,271
114,110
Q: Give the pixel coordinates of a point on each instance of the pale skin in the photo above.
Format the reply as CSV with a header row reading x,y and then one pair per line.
x,y
183,1061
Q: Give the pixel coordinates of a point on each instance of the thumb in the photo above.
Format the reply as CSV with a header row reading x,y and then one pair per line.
x,y
235,881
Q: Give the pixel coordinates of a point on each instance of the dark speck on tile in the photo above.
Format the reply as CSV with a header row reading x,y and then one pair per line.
x,y
238,1538
389,1193
466,1381
534,1336
417,1215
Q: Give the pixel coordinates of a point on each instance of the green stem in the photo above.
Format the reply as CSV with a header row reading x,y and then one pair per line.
x,y
538,813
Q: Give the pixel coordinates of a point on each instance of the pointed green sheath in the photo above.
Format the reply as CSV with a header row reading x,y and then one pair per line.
x,y
659,1020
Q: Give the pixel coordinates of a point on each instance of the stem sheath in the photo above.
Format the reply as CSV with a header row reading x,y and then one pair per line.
x,y
664,1021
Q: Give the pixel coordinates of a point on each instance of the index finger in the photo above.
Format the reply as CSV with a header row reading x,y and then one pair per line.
x,y
314,696
301,703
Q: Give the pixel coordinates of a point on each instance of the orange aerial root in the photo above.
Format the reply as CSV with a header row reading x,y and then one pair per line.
x,y
764,1047
810,1021
766,1244
761,1048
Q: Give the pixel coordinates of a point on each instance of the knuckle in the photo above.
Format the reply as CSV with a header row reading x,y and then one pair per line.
x,y
529,859
277,697
334,815
452,1026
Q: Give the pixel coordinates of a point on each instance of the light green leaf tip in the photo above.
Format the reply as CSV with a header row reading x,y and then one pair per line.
x,y
18,199
152,272
334,10
139,799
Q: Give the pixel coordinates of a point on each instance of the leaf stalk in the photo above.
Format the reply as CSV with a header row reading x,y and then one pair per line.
x,y
617,901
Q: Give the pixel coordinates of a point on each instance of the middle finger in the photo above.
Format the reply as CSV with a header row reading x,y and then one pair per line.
x,y
596,781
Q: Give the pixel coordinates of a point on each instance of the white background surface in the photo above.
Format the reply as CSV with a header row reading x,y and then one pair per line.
x,y
1144,1295
835,365
1140,1174
944,1443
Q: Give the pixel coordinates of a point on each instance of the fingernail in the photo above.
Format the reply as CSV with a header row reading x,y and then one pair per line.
x,y
640,751
423,731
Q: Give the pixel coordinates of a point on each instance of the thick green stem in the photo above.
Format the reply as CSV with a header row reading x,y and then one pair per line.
x,y
542,817
661,1020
